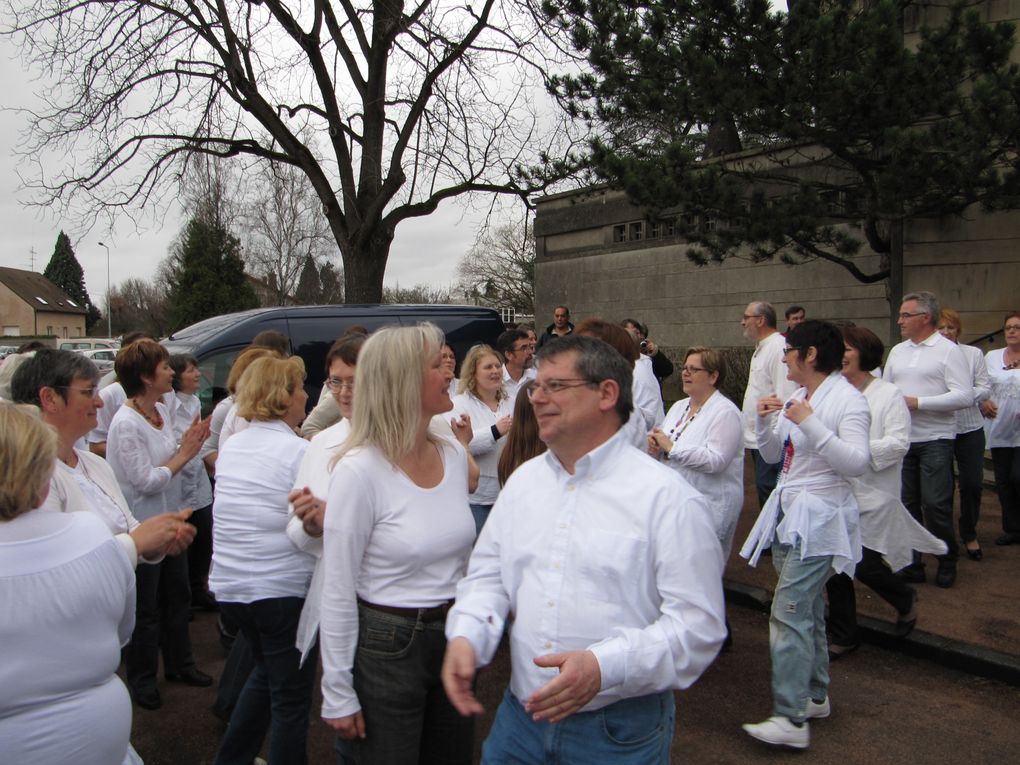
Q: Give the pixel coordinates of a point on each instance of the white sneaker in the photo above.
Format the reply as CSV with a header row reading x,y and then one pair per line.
x,y
780,731
816,710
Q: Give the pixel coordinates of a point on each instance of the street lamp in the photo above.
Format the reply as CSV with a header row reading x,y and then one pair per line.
x,y
109,319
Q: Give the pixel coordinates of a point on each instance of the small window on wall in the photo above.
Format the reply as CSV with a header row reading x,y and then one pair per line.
x,y
668,227
77,331
49,329
65,331
620,233
637,230
654,230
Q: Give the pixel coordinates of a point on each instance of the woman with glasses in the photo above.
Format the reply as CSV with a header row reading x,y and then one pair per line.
x,y
700,437
398,533
1002,426
820,437
482,398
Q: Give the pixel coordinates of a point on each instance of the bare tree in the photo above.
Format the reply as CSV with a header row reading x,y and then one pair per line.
x,y
500,267
137,304
420,102
418,294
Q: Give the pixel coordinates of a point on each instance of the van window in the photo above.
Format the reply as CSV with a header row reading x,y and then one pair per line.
x,y
213,386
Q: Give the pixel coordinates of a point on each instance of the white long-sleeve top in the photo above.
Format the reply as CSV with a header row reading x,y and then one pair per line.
x,y
390,542
936,373
253,559
766,377
314,473
232,423
620,558
219,414
196,492
971,419
512,386
888,436
647,394
830,446
1004,429
113,398
708,452
483,446
137,452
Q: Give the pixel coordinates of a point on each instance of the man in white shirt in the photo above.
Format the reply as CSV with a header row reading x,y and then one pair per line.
x,y
518,356
933,375
767,377
612,571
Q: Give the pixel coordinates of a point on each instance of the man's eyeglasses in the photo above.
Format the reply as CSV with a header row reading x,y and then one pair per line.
x,y
334,383
905,315
552,387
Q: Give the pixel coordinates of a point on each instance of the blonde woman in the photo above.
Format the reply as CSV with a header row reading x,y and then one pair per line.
x,y
398,532
481,396
68,595
258,576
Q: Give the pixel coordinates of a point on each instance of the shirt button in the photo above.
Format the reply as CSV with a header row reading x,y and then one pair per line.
x,y
562,525
548,645
571,487
552,603
556,565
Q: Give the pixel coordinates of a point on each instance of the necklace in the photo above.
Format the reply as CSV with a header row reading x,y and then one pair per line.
x,y
156,422
1007,365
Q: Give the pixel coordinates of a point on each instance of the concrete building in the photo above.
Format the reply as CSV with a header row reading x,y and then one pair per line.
x,y
33,306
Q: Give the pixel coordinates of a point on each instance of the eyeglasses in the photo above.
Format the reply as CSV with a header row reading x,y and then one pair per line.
x,y
334,383
551,387
905,315
691,370
523,348
789,348
748,317
1012,327
87,392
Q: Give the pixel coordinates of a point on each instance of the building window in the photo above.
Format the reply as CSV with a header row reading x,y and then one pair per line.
x,y
77,331
637,231
620,233
49,329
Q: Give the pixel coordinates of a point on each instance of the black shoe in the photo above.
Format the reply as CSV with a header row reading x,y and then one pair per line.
x,y
1009,538
975,554
147,698
837,651
946,575
913,574
203,601
190,676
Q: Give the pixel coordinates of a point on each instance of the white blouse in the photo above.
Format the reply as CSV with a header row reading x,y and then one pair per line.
x,y
67,605
483,446
197,489
708,452
1004,429
813,493
970,418
137,452
252,557
391,542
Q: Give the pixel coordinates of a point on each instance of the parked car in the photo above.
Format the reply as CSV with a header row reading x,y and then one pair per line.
x,y
103,358
7,350
89,343
216,342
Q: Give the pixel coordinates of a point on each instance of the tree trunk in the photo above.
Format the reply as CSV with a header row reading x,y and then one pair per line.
x,y
364,268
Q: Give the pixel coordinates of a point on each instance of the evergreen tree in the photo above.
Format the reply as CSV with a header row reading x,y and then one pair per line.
x,y
332,285
309,288
207,274
65,271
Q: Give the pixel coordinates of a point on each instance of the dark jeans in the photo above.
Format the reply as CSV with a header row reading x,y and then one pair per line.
x,y
766,474
162,612
278,694
1006,464
408,718
969,450
928,490
200,550
236,671
873,572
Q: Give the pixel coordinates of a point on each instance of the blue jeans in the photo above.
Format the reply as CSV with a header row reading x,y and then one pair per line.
x,y
635,731
480,513
928,490
408,718
800,657
278,694
765,476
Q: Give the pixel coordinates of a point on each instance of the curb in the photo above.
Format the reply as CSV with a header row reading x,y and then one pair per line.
x,y
954,654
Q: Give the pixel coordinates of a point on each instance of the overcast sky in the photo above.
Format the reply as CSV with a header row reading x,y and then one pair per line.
x,y
426,250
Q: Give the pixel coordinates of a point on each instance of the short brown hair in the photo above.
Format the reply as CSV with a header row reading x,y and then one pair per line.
x,y
28,452
611,334
868,345
712,360
267,386
951,317
136,361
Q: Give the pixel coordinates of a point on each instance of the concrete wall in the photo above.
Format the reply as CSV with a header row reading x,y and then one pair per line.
x,y
14,311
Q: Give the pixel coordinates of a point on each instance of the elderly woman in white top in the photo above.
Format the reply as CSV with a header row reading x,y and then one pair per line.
x,y
258,576
969,444
398,534
820,437
889,533
143,451
67,595
701,439
481,397
1002,424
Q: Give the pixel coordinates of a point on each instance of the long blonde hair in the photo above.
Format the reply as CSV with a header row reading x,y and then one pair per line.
x,y
388,379
468,381
28,453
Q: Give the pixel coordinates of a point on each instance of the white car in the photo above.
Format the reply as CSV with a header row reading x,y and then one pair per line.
x,y
102,358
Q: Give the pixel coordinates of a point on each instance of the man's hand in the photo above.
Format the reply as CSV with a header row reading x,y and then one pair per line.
x,y
309,509
457,674
350,727
579,680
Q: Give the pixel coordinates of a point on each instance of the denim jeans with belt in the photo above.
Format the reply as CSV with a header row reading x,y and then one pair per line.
x,y
635,731
408,718
278,694
800,657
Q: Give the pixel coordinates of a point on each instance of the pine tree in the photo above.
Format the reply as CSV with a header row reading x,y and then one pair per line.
x,y
65,271
309,288
208,274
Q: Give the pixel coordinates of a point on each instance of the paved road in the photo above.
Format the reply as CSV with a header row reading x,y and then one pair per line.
x,y
886,709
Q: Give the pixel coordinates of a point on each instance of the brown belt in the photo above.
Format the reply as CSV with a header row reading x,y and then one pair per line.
x,y
434,614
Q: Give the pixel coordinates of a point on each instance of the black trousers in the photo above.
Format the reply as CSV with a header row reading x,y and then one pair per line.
x,y
1006,464
873,572
200,550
